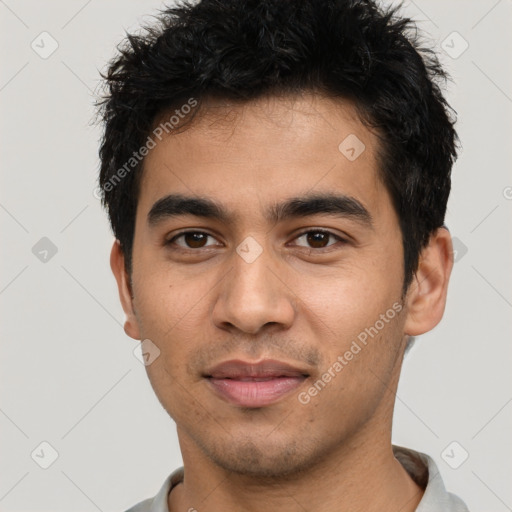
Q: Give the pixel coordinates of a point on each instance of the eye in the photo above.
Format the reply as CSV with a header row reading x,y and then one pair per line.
x,y
191,240
317,239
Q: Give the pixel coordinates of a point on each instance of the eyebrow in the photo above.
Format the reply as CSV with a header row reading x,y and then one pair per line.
x,y
343,206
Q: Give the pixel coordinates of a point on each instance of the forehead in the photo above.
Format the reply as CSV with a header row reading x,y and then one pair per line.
x,y
265,150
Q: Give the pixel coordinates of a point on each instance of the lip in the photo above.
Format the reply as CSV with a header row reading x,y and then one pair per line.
x,y
254,384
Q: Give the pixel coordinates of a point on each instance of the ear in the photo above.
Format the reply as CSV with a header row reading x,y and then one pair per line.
x,y
426,297
117,264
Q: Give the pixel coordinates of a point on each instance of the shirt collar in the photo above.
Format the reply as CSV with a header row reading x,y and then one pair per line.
x,y
422,469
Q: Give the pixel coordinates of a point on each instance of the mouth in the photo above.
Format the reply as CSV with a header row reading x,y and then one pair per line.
x,y
254,385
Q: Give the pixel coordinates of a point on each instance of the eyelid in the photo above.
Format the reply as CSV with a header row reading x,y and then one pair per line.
x,y
340,238
172,239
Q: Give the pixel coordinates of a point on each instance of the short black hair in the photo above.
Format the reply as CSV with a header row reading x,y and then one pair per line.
x,y
242,50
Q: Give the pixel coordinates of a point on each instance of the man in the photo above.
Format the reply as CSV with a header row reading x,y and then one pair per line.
x,y
276,175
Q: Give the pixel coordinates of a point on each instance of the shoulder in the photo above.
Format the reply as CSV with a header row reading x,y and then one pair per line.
x,y
159,502
143,506
424,471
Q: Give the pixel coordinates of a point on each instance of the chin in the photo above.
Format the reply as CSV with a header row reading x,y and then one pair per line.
x,y
262,459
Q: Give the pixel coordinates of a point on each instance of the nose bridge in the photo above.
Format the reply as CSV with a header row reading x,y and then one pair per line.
x,y
252,295
251,274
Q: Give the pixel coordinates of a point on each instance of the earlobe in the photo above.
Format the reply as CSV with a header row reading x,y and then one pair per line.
x,y
426,297
117,264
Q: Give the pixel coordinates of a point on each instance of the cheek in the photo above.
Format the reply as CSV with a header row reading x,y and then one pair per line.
x,y
357,376
174,317
164,299
349,298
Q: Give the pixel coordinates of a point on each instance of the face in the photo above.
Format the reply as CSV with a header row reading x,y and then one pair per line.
x,y
268,270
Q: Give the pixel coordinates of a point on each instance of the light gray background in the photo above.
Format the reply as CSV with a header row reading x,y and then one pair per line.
x,y
68,373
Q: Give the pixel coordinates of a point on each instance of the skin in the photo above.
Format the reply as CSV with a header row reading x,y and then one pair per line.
x,y
295,302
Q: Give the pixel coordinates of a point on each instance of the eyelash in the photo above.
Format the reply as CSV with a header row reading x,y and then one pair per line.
x,y
338,238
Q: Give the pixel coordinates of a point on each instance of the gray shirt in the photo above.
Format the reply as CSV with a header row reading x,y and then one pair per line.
x,y
421,467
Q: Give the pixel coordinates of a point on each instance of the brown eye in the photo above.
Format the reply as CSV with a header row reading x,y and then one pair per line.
x,y
195,240
192,240
316,239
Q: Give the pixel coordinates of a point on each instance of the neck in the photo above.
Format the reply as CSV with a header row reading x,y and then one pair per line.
x,y
364,476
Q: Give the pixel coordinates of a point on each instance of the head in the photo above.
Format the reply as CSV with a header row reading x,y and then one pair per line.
x,y
305,149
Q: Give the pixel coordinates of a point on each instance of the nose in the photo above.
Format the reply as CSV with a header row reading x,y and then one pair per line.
x,y
254,296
